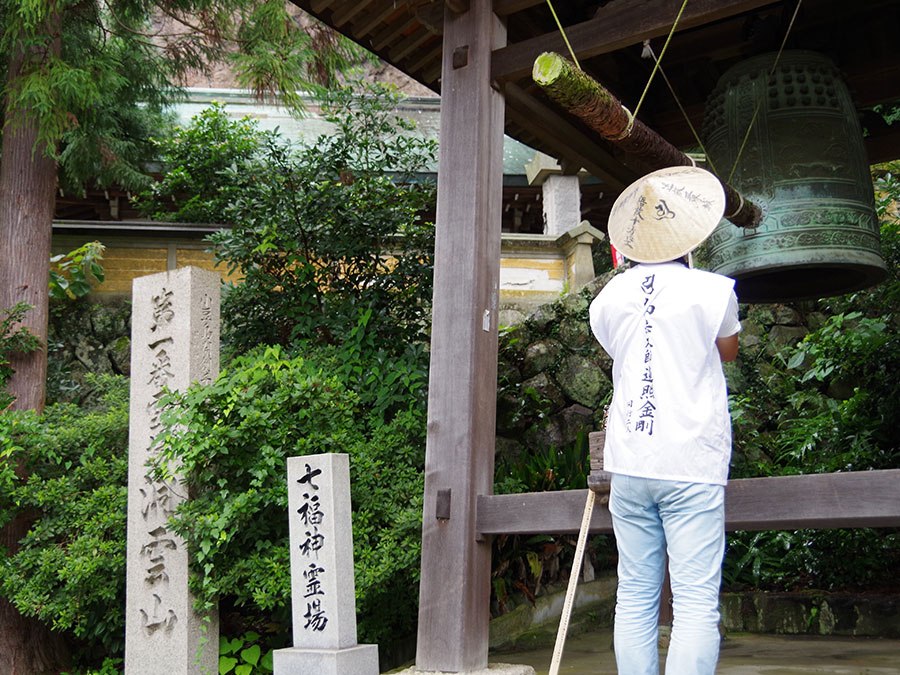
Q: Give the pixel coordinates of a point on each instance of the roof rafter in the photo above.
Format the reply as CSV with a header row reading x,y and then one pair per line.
x,y
615,26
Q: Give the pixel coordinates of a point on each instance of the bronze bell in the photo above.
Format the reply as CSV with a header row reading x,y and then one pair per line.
x,y
805,165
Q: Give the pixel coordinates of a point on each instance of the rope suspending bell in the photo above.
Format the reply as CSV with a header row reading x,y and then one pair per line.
x,y
761,98
564,36
647,52
657,61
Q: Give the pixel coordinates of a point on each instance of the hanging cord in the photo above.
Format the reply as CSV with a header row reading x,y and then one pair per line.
x,y
661,54
761,98
563,32
648,53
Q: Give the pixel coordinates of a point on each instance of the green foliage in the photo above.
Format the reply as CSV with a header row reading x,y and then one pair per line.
x,y
545,469
109,666
525,565
830,560
277,57
230,442
336,259
69,569
97,73
73,274
244,655
13,339
196,159
97,96
330,237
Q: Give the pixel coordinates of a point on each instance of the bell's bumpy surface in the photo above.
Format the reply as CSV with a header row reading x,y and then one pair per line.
x,y
805,164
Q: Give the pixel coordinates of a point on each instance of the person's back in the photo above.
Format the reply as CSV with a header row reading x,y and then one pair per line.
x,y
669,418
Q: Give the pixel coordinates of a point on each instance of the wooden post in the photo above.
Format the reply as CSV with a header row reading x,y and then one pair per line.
x,y
454,596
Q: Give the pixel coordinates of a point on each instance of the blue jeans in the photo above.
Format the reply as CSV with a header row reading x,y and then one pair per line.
x,y
687,520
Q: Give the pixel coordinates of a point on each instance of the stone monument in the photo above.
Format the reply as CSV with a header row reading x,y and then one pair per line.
x,y
174,342
323,591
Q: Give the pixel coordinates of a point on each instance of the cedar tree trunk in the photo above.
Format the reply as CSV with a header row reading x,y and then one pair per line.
x,y
28,181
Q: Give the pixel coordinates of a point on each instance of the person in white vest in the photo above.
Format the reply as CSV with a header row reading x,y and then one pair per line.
x,y
668,328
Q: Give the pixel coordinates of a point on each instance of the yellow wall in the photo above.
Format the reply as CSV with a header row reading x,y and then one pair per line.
x,y
528,275
126,258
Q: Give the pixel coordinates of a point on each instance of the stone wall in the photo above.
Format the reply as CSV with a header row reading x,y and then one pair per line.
x,y
813,613
554,376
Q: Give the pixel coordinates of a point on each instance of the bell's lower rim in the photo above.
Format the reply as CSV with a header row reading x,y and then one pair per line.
x,y
803,281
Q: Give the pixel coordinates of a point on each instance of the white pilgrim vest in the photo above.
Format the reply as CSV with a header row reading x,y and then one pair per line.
x,y
669,414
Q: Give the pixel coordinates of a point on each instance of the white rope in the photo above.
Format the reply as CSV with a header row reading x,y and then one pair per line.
x,y
738,209
626,132
573,584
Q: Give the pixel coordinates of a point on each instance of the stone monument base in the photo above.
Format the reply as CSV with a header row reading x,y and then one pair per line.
x,y
492,669
358,660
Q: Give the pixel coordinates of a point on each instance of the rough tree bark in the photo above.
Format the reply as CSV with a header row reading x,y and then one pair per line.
x,y
28,181
587,99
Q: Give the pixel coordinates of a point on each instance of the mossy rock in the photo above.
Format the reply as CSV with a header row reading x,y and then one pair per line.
x,y
540,356
582,381
575,305
547,391
575,333
542,317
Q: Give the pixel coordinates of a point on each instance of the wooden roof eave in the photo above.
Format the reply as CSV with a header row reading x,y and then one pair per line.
x,y
618,25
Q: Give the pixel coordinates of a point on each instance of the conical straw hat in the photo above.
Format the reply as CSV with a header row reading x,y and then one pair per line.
x,y
666,214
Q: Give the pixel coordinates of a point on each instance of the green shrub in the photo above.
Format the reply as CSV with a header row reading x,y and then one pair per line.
x,y
69,570
246,655
324,234
230,441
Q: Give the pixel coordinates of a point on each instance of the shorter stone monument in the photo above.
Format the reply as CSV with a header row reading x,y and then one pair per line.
x,y
323,590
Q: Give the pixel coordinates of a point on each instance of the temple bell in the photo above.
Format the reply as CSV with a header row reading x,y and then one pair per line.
x,y
804,163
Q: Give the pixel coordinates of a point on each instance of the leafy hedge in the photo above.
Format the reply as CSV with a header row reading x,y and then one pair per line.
x,y
69,570
230,441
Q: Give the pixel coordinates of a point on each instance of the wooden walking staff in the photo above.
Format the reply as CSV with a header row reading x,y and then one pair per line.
x,y
584,97
598,482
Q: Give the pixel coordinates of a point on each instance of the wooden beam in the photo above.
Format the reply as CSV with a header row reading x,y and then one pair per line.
x,y
566,139
867,85
432,17
455,586
432,74
426,58
615,26
537,513
851,499
593,104
507,7
393,32
458,6
348,11
408,44
373,18
320,5
883,145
